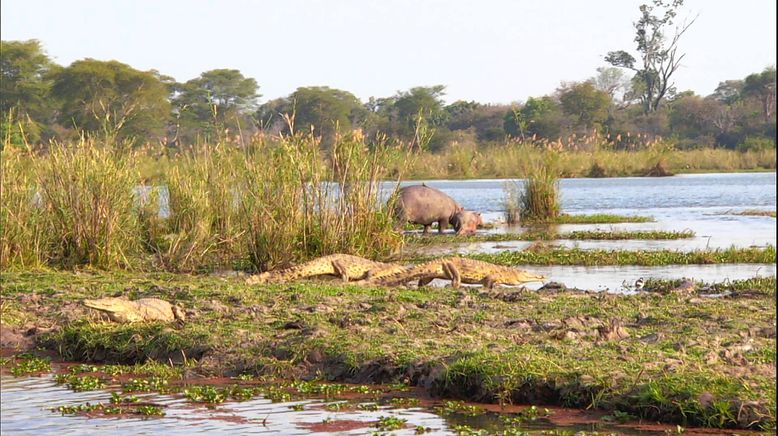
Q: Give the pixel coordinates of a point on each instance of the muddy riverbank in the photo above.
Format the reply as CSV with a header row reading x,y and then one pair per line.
x,y
674,355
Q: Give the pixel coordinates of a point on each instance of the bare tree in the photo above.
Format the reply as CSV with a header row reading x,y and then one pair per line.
x,y
659,56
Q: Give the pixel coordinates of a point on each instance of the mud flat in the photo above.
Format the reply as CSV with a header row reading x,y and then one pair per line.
x,y
673,355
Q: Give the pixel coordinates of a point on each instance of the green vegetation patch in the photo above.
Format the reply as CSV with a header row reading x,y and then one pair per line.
x,y
80,383
620,235
27,364
577,256
129,343
601,218
145,410
539,235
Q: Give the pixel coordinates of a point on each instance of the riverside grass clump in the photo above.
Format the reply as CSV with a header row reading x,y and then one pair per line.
x,y
316,205
24,239
73,206
538,199
274,201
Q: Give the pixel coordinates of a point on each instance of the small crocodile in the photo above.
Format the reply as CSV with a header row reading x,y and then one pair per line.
x,y
344,266
458,270
144,309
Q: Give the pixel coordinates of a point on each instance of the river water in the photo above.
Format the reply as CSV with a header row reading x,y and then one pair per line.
x,y
27,403
707,204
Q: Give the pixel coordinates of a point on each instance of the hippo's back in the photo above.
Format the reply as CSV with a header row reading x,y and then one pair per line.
x,y
422,204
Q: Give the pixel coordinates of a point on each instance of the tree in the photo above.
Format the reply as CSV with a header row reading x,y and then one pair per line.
x,y
24,89
421,100
324,109
728,91
761,86
485,120
659,57
588,105
541,117
614,82
216,102
112,98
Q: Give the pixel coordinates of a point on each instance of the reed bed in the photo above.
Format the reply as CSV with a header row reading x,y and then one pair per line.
x,y
275,201
599,160
24,239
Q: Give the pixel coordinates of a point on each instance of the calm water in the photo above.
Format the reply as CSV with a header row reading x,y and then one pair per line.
x,y
27,402
677,197
703,203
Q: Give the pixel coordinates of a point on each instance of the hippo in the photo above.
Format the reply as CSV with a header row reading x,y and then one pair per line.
x,y
420,204
466,221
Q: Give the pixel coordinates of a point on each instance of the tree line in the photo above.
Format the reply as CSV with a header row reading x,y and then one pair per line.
x,y
41,100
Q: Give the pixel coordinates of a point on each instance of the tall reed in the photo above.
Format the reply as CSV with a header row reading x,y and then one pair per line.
x,y
310,205
540,198
24,234
87,195
203,228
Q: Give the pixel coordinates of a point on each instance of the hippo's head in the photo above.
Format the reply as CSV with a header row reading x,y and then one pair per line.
x,y
466,222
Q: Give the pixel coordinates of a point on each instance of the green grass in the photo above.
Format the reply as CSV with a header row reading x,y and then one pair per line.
x,y
577,256
536,235
684,360
601,218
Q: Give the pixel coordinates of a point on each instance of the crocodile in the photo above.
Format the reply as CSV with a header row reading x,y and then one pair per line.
x,y
145,309
344,266
458,270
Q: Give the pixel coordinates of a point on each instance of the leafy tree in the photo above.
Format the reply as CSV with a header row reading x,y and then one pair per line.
x,y
728,91
588,105
112,98
24,89
324,109
217,102
761,86
659,57
541,117
615,83
485,120
691,116
421,100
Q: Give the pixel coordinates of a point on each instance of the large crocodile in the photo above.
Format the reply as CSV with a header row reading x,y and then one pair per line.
x,y
458,270
144,309
344,266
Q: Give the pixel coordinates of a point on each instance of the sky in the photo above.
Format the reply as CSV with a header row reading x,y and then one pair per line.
x,y
490,51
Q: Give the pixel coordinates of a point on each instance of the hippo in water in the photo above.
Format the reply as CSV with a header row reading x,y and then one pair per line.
x,y
420,204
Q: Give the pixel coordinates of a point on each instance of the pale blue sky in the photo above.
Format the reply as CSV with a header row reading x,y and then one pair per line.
x,y
491,51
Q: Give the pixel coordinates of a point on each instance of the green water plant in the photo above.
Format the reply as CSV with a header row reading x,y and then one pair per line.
x,y
27,364
389,423
206,394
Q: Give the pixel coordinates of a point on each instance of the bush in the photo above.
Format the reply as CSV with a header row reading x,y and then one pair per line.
x,y
756,143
